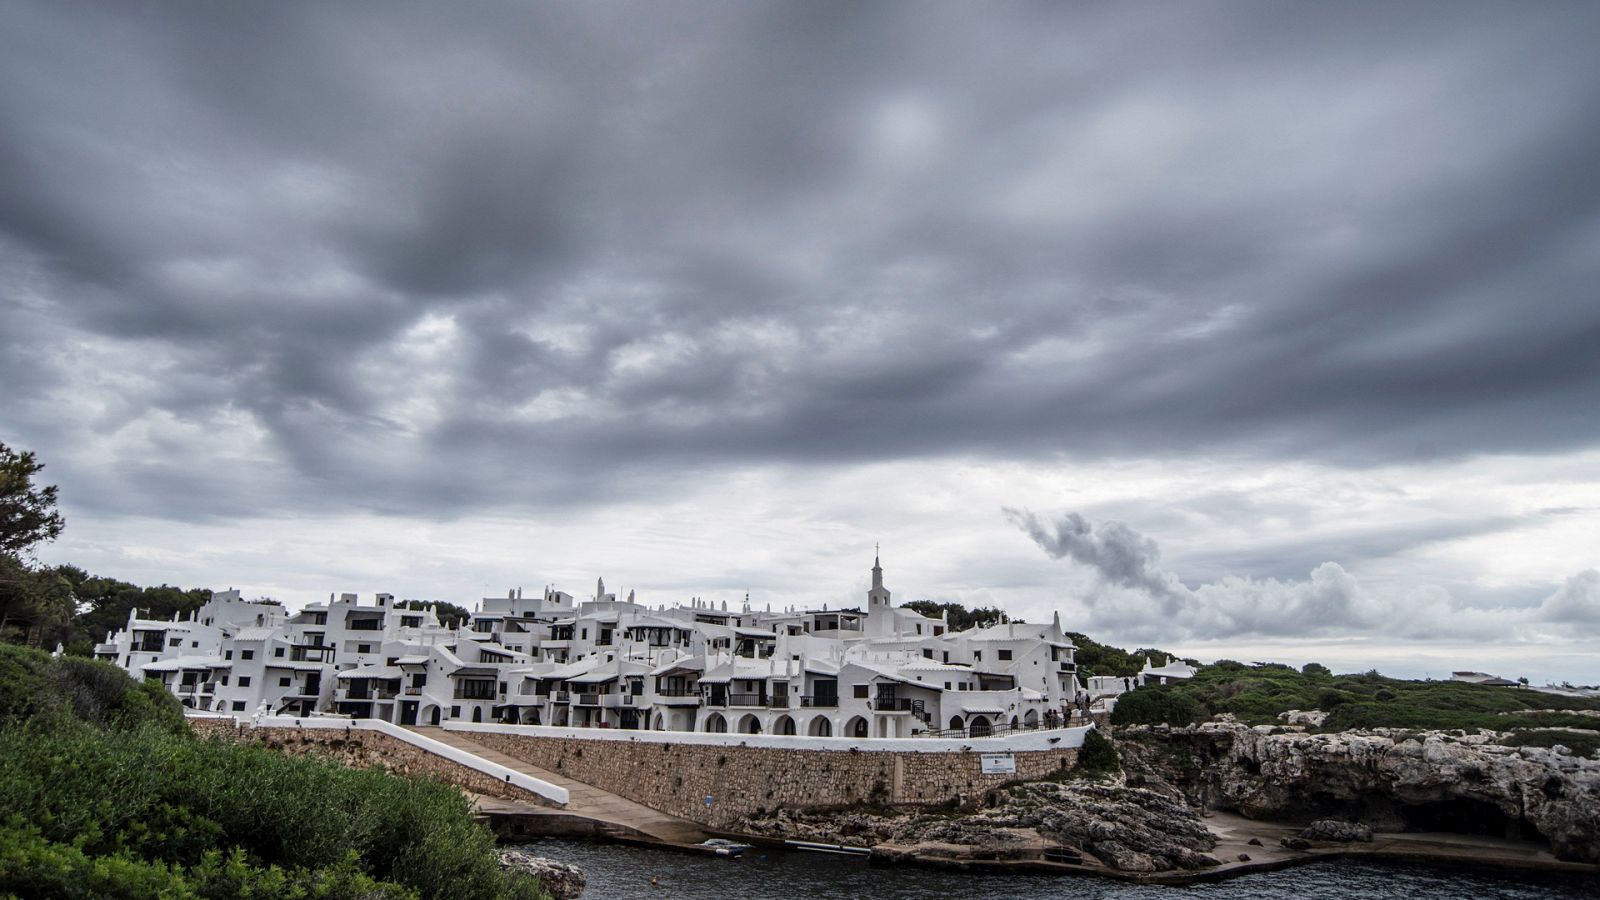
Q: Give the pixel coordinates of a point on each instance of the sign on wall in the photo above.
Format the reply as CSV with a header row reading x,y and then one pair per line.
x,y
998,763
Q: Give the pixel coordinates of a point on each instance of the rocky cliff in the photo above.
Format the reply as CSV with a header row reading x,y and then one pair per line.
x,y
1390,780
1128,829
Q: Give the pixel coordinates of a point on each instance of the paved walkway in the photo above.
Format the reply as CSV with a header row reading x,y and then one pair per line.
x,y
584,800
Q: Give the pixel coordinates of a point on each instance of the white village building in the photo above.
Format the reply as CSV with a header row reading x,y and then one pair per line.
x,y
877,671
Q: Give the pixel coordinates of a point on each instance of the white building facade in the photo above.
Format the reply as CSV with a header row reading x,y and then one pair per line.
x,y
872,672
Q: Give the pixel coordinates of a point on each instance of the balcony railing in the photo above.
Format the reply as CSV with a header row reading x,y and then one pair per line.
x,y
589,699
461,694
747,700
677,692
778,701
894,704
563,696
825,702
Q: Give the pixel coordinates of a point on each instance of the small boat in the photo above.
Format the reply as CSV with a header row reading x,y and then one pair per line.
x,y
723,847
816,847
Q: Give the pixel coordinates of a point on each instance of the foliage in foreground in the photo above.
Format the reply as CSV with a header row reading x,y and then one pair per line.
x,y
1257,694
145,809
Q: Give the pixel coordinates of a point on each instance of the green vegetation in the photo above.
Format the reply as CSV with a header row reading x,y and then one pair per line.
x,y
105,793
1257,694
1095,658
1579,744
450,615
1098,757
961,617
1156,705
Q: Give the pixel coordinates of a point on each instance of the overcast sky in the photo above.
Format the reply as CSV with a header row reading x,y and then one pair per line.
x,y
1254,329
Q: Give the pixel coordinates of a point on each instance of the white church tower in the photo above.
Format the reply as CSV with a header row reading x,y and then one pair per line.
x,y
880,612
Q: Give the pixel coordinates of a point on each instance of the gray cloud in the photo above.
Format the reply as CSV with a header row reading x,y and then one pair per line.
x,y
1330,602
395,259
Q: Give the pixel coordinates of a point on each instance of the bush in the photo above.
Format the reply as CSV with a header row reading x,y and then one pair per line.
x,y
1097,757
1316,670
1155,705
37,686
107,793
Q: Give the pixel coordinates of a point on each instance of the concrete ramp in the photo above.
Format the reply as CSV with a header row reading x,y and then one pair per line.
x,y
611,814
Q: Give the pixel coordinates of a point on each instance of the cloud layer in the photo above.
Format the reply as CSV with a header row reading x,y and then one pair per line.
x,y
1330,602
410,261
1278,285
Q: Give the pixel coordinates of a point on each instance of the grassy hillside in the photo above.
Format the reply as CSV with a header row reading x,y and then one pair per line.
x,y
1257,694
105,793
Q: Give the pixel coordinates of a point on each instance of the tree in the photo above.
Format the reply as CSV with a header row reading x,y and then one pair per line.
x,y
961,618
35,601
27,512
1316,670
450,615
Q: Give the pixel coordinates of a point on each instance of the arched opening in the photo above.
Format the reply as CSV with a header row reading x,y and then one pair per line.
x,y
749,724
856,727
432,714
477,714
716,724
820,727
531,716
661,722
956,724
1031,718
1013,723
979,727
784,725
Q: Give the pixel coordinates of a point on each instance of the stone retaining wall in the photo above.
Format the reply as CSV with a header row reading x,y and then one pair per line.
x,y
676,778
363,749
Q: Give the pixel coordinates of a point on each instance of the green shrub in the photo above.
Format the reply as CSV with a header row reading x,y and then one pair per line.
x,y
1155,705
105,786
1579,744
1097,757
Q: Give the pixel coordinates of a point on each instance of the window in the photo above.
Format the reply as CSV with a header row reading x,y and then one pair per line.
x,y
927,653
278,652
977,656
363,648
455,712
247,654
947,685
224,680
238,706
174,642
284,681
228,655
194,643
244,681
1005,655
861,692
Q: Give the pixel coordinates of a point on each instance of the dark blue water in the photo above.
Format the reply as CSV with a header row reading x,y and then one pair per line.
x,y
617,871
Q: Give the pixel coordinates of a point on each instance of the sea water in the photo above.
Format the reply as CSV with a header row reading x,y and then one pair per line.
x,y
619,871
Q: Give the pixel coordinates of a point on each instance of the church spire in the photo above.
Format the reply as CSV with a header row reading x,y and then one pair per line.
x,y
877,569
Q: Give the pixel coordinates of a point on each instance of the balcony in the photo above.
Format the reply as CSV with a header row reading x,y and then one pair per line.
x,y
563,696
589,699
823,702
747,699
778,701
894,705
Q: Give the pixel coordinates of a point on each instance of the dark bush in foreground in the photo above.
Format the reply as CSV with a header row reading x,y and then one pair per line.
x,y
105,794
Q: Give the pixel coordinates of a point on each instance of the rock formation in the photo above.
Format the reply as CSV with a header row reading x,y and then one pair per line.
x,y
1124,828
563,881
1388,779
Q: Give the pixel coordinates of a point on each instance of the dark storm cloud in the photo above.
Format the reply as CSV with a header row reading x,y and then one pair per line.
x,y
400,257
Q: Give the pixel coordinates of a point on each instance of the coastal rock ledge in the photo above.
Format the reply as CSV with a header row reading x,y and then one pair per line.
x,y
1128,829
563,881
1389,780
